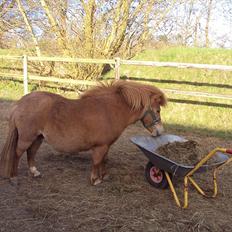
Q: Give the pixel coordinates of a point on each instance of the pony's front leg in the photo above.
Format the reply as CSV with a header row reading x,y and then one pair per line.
x,y
102,170
98,166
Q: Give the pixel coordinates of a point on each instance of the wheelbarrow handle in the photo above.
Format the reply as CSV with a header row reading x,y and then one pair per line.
x,y
229,151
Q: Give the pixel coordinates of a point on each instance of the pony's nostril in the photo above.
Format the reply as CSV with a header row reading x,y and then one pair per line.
x,y
158,130
154,132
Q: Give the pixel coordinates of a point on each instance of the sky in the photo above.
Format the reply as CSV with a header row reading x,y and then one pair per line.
x,y
221,23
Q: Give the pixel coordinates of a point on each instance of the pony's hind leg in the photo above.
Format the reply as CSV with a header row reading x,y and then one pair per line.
x,y
22,146
31,152
25,140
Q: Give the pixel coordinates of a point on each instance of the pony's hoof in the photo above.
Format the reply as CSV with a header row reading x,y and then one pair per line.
x,y
95,181
35,173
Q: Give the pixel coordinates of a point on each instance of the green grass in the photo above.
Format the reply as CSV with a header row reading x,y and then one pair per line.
x,y
196,114
188,55
10,90
11,66
11,52
13,90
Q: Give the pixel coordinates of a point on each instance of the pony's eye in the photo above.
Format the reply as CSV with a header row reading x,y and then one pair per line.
x,y
158,111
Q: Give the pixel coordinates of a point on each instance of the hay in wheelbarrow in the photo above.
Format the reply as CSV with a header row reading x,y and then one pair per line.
x,y
186,153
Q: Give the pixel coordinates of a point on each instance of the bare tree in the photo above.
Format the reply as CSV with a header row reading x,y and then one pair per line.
x,y
209,13
5,18
29,27
100,29
54,25
105,29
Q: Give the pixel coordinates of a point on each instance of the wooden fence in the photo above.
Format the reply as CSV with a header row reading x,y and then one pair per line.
x,y
116,62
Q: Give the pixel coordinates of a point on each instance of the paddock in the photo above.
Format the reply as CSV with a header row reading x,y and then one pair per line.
x,y
64,200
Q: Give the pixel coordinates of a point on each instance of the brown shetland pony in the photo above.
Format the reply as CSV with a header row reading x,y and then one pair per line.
x,y
92,122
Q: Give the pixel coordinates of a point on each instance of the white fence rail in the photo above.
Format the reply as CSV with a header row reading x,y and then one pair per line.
x,y
116,62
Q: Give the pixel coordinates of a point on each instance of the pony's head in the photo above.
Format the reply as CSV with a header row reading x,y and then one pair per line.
x,y
147,100
151,118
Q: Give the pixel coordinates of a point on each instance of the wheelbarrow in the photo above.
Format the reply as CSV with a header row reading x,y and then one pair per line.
x,y
160,170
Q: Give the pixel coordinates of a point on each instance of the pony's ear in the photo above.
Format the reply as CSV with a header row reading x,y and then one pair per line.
x,y
159,99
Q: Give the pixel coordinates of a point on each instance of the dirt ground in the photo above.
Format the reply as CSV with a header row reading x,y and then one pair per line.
x,y
64,200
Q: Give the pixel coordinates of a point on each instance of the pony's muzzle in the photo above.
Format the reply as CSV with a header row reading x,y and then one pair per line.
x,y
157,129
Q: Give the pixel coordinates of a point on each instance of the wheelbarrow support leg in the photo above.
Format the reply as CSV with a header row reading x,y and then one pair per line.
x,y
200,190
189,179
172,189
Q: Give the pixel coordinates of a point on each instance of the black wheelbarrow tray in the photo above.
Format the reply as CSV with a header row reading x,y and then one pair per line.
x,y
160,170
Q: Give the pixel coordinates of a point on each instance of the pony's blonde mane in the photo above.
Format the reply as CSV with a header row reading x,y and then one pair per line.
x,y
136,95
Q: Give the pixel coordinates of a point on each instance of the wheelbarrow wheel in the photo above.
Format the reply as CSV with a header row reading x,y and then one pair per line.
x,y
155,176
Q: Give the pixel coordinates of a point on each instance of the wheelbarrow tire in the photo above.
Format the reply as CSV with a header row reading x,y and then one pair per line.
x,y
155,176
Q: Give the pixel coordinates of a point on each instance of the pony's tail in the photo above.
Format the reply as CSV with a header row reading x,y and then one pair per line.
x,y
8,155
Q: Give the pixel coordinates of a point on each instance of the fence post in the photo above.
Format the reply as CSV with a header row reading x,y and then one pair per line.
x,y
25,75
117,68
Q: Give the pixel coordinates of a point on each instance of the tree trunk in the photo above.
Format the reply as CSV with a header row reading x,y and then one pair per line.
x,y
209,11
55,27
89,9
29,27
196,31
